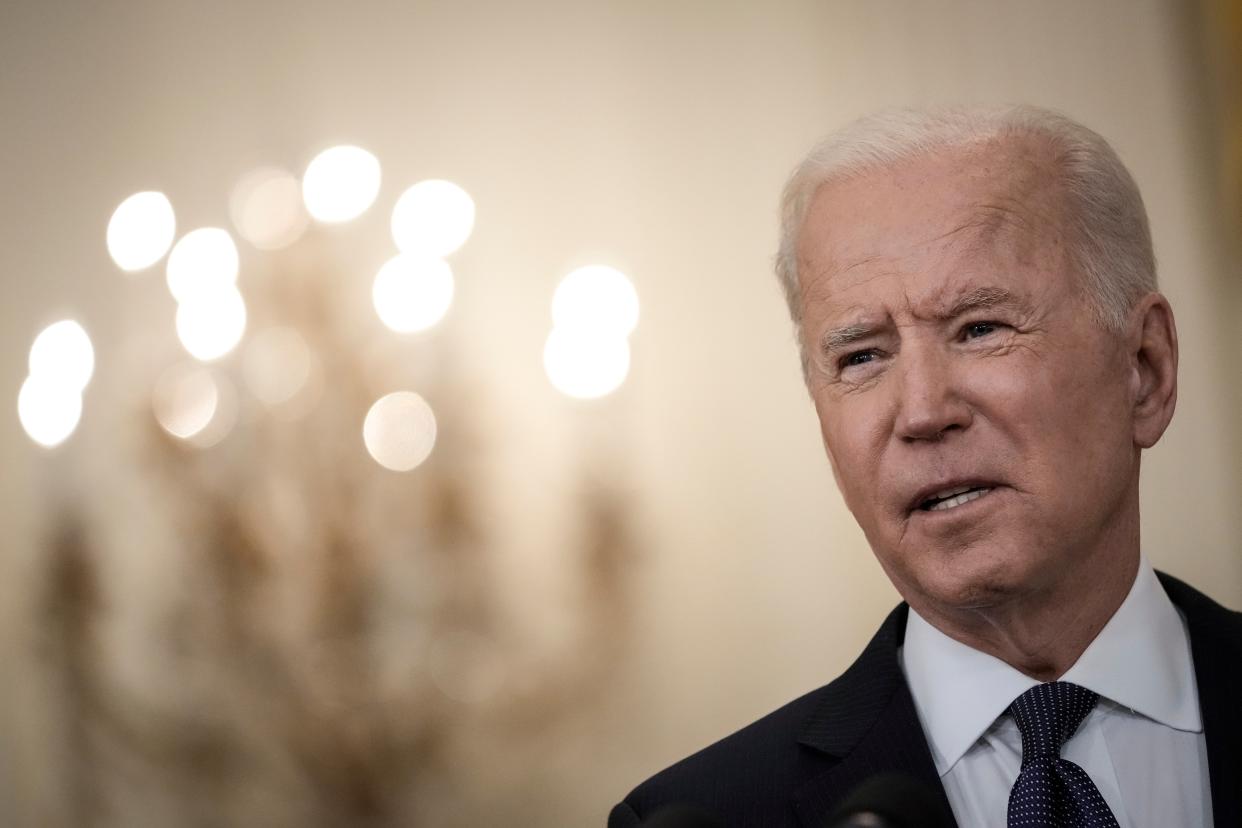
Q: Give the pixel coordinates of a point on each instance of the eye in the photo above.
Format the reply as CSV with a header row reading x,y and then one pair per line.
x,y
975,330
857,358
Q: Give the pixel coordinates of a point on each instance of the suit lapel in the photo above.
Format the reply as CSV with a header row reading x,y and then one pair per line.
x,y
866,719
1216,647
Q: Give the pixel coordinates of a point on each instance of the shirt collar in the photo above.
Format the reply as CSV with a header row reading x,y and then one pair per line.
x,y
1140,660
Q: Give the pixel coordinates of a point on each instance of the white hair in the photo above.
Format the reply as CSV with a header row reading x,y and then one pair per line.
x,y
1110,242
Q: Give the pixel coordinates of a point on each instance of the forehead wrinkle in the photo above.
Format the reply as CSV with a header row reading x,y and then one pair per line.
x,y
992,223
863,262
819,291
823,278
1011,224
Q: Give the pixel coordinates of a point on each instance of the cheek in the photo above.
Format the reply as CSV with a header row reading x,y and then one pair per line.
x,y
1096,436
853,440
1069,427
1020,397
1019,380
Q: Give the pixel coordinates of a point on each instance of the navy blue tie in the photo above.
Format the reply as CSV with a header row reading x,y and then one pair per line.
x,y
1051,792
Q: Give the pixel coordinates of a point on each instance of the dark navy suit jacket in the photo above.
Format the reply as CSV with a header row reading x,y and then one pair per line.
x,y
794,766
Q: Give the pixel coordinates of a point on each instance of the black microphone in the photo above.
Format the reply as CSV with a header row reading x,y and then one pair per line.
x,y
892,800
681,816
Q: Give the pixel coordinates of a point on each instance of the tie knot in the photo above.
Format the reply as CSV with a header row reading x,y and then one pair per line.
x,y
1048,714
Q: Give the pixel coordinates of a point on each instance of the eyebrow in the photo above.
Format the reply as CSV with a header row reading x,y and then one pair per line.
x,y
978,299
838,338
972,301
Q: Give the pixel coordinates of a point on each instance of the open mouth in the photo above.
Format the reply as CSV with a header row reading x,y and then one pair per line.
x,y
952,498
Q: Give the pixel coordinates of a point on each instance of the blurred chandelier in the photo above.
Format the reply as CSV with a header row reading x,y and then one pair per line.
x,y
586,354
343,630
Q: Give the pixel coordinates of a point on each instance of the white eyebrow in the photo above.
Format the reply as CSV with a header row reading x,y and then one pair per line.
x,y
981,299
847,335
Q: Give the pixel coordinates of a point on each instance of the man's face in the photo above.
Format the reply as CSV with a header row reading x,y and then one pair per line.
x,y
978,419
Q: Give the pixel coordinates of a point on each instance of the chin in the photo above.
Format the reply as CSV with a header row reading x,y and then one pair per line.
x,y
973,597
974,584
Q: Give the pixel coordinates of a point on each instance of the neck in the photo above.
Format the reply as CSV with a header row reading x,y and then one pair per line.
x,y
1042,632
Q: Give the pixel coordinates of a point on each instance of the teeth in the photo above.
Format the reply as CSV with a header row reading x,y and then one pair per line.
x,y
958,497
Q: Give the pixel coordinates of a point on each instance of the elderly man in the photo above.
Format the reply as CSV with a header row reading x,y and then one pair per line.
x,y
975,298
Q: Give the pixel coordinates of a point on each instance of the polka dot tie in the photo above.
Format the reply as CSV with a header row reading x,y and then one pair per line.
x,y
1051,792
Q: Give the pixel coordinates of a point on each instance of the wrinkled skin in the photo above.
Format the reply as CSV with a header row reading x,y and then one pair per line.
x,y
950,343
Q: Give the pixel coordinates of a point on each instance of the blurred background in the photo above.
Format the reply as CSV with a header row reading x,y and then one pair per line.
x,y
405,426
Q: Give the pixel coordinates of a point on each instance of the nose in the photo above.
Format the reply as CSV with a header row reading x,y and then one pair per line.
x,y
929,402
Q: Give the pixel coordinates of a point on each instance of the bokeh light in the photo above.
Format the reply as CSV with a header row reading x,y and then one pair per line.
x,y
340,183
266,208
585,364
62,355
210,325
400,431
140,230
202,261
185,400
596,298
432,218
277,364
49,411
412,293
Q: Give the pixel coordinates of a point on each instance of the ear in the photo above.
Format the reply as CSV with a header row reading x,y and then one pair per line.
x,y
1152,352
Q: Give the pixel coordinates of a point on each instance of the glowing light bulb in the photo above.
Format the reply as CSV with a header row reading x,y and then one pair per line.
x,y
203,261
584,364
596,298
266,207
400,431
49,411
412,293
340,183
62,354
432,218
140,230
210,325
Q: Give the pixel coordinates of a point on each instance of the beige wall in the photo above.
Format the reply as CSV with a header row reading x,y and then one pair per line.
x,y
654,136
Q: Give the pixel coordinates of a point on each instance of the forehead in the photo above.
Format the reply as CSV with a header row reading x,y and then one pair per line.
x,y
936,222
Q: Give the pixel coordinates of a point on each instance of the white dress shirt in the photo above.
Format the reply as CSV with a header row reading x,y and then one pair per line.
x,y
1142,744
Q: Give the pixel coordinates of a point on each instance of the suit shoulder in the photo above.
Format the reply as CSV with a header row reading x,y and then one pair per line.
x,y
756,767
753,774
1205,615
